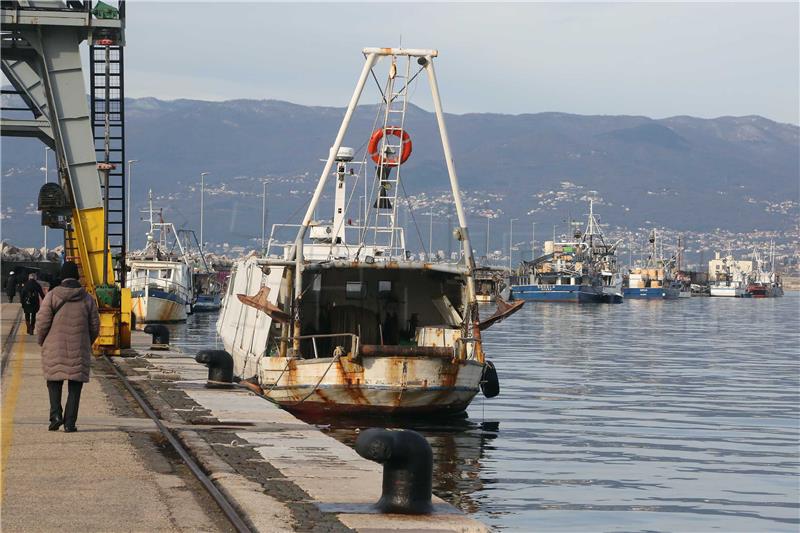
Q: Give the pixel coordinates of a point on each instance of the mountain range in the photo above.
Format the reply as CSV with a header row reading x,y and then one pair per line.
x,y
684,173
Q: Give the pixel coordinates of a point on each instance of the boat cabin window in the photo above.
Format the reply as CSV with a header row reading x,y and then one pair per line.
x,y
355,289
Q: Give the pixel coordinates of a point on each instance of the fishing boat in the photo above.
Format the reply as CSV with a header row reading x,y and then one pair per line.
x,y
342,319
729,277
205,282
583,270
604,258
682,281
653,280
489,283
563,274
161,276
207,295
765,282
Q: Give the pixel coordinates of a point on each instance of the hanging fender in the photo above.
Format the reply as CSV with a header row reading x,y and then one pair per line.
x,y
490,383
375,141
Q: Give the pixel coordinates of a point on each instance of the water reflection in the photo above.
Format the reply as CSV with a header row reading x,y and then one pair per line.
x,y
678,415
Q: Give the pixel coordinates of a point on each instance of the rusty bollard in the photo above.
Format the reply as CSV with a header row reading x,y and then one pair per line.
x,y
407,461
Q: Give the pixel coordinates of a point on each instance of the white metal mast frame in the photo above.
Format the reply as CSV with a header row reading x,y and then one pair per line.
x,y
396,238
372,56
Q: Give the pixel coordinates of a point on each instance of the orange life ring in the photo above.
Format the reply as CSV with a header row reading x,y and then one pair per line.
x,y
374,145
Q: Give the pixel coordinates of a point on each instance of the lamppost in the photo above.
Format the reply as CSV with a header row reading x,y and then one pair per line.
x,y
46,179
533,241
488,218
263,215
128,205
202,194
430,235
511,243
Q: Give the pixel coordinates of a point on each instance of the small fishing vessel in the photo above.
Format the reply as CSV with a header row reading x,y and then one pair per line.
x,y
489,283
205,282
604,257
682,280
343,320
765,282
161,276
208,295
653,280
729,280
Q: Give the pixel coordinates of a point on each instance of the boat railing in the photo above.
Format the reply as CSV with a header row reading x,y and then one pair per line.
x,y
167,285
354,341
352,234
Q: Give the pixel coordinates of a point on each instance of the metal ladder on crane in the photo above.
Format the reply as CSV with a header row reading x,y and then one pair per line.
x,y
386,232
107,101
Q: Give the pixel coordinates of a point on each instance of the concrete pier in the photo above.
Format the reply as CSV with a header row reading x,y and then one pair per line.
x,y
117,473
109,476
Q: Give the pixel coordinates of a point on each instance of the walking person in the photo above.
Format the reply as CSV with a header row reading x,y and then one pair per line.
x,y
30,297
68,324
11,286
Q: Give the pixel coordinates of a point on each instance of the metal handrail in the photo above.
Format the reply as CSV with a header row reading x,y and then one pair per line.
x,y
355,344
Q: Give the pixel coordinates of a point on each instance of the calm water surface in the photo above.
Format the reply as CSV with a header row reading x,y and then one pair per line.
x,y
646,416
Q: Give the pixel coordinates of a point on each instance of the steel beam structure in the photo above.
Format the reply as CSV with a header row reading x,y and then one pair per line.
x,y
41,59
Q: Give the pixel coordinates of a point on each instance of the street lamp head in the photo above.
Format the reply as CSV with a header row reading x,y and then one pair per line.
x,y
132,161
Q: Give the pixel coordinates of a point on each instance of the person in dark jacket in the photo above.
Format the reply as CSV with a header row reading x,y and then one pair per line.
x,y
30,297
67,325
11,286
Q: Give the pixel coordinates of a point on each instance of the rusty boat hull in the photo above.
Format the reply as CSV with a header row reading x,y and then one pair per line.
x,y
375,385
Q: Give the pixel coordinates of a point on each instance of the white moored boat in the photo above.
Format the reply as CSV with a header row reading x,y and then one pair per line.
x,y
344,320
160,279
730,281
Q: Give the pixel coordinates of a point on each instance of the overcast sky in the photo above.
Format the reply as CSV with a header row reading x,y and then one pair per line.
x,y
656,60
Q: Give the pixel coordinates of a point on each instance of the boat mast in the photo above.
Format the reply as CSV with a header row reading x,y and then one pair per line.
x,y
451,171
312,206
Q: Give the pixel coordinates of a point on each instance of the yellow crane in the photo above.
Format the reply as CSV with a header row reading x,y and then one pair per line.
x,y
41,58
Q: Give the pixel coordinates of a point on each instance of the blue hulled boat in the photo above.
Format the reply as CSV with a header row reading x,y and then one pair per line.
x,y
653,280
581,271
558,293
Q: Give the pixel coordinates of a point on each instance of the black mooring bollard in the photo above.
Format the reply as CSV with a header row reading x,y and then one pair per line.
x,y
159,332
219,363
407,461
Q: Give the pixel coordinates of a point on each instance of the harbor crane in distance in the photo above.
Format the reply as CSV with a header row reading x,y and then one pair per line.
x,y
41,59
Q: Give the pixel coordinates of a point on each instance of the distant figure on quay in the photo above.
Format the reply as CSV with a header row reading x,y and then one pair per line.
x,y
30,298
11,286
